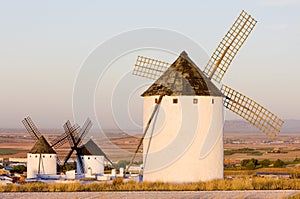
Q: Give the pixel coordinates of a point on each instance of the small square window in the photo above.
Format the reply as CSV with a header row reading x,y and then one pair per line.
x,y
43,156
89,158
175,101
156,100
212,101
195,101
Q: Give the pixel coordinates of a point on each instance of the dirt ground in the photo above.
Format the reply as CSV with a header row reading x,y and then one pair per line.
x,y
276,194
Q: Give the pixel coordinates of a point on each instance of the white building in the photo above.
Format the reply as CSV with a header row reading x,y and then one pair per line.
x,y
186,134
92,158
41,159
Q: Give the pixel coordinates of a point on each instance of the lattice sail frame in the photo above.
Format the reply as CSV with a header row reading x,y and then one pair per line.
x,y
84,130
31,128
71,133
149,68
61,140
66,136
253,112
229,46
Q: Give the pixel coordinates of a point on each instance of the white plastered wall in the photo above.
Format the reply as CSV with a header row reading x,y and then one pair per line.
x,y
186,139
47,164
96,163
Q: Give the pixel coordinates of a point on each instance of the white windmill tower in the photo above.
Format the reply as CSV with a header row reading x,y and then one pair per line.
x,y
183,139
92,158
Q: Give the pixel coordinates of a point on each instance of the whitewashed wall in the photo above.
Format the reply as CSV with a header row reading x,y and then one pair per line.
x,y
96,163
47,164
187,139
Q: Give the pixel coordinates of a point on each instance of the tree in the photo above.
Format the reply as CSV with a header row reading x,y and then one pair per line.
x,y
245,162
265,163
278,163
255,162
121,163
71,166
18,169
249,164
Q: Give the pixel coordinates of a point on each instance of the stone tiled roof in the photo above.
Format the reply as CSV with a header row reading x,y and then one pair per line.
x,y
183,77
90,148
42,146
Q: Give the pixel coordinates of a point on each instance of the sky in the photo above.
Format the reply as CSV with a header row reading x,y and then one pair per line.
x,y
45,45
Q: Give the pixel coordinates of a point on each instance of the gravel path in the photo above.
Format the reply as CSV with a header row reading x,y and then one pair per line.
x,y
274,194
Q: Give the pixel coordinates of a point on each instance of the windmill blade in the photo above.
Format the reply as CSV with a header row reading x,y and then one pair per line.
x,y
84,130
71,132
31,128
58,161
112,164
254,113
80,163
145,132
75,129
61,140
149,68
69,155
229,46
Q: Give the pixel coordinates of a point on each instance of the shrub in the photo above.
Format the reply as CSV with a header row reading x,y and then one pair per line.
x,y
18,169
265,163
278,163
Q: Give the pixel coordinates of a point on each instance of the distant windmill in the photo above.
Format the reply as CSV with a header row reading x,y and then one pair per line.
x,y
189,145
92,158
42,157
75,140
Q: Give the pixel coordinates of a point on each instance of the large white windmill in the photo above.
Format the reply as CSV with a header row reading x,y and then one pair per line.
x,y
183,112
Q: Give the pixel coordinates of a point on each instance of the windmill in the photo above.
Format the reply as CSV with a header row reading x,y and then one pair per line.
x,y
75,140
42,157
184,104
93,158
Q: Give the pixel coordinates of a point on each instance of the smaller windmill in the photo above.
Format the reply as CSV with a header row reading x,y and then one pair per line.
x,y
75,140
92,158
42,158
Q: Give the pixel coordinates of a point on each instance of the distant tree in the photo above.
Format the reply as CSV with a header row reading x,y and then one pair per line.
x,y
121,163
244,162
265,163
18,169
249,164
278,163
297,159
255,162
1,167
71,166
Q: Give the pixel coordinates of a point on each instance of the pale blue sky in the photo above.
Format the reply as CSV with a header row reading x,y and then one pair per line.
x,y
44,43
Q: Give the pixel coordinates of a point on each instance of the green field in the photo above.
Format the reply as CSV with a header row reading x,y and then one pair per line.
x,y
8,151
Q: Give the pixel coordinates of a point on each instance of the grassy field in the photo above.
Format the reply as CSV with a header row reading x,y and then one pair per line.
x,y
119,185
9,151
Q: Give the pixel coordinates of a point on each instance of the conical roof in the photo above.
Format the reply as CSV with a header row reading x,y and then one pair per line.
x,y
42,146
90,148
183,77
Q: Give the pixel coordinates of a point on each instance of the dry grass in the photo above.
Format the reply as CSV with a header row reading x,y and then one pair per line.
x,y
119,185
